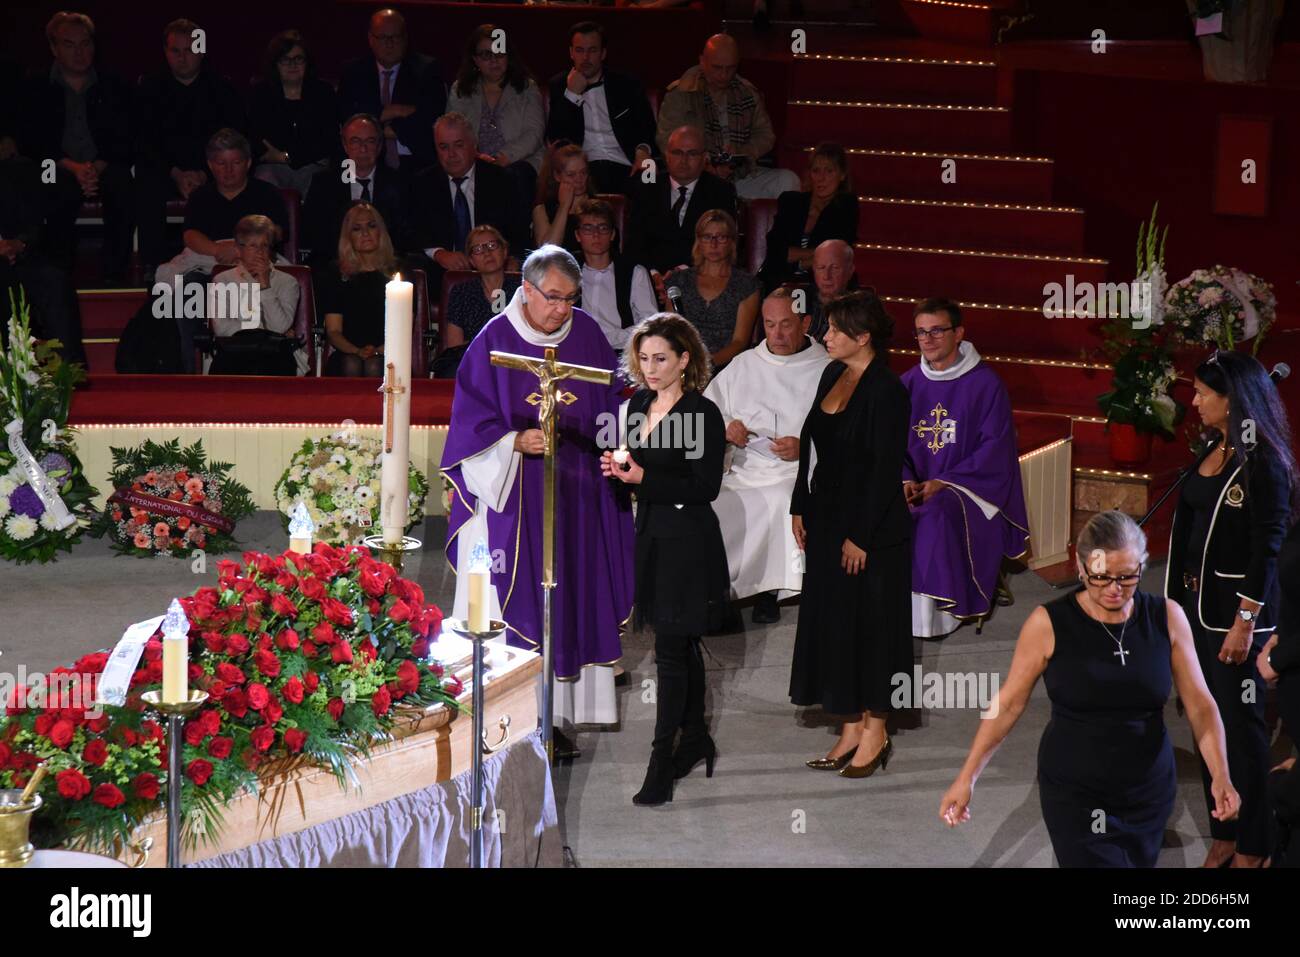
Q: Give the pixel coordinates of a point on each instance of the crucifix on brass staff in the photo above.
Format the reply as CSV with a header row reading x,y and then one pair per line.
x,y
547,355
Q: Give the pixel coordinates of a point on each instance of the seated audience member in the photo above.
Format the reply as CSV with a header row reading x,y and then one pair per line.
x,y
501,100
730,111
23,264
176,112
370,182
402,88
605,112
662,215
458,193
563,184
616,292
211,214
720,300
260,327
80,117
350,294
833,275
764,396
471,306
294,116
805,220
962,483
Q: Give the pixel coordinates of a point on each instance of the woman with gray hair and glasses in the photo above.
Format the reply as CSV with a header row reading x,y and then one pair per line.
x,y
1108,654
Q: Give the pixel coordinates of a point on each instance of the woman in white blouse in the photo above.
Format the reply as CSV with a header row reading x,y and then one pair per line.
x,y
503,105
253,307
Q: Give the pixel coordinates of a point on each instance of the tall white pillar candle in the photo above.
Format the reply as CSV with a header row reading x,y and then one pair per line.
x,y
395,467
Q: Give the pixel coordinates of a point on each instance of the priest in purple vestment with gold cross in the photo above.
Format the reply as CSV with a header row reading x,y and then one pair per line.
x,y
961,476
493,461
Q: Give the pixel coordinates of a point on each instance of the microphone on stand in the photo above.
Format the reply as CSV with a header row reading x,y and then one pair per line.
x,y
1280,372
674,294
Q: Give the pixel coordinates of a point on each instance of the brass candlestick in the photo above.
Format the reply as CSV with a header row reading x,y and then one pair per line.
x,y
480,747
176,712
392,554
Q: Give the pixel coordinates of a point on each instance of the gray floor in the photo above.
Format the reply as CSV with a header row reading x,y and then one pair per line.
x,y
762,807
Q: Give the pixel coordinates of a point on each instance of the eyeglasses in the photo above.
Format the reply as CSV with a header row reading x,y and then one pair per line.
x,y
558,300
595,229
686,154
1124,581
298,60
490,246
715,239
934,333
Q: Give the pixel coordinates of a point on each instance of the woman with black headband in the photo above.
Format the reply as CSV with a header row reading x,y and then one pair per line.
x,y
1233,512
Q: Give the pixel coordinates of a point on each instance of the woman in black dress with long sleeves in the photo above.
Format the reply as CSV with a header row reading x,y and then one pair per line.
x,y
1108,655
676,440
828,209
855,616
1232,514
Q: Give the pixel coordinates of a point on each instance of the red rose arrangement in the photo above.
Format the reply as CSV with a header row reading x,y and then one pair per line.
x,y
304,658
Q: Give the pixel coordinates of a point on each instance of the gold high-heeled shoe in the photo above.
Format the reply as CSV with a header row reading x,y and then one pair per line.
x,y
831,764
879,761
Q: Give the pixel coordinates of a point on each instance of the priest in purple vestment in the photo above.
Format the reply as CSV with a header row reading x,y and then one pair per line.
x,y
493,460
961,476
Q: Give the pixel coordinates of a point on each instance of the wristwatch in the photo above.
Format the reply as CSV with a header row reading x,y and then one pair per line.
x,y
1247,616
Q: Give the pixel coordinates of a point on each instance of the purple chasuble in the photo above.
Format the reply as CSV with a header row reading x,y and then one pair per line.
x,y
593,527
961,433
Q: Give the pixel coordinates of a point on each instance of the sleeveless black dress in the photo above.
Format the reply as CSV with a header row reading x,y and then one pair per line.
x,y
1106,775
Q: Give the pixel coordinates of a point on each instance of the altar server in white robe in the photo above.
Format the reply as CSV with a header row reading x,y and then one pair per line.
x,y
764,395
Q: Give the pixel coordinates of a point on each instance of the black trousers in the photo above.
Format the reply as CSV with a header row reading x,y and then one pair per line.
x,y
64,202
1247,737
679,699
153,190
53,298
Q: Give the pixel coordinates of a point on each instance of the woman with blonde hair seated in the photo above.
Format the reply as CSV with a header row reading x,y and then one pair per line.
x,y
350,294
561,185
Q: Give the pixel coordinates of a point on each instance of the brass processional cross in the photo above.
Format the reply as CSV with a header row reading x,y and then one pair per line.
x,y
550,374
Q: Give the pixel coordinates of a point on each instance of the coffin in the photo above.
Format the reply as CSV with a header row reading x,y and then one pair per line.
x,y
429,747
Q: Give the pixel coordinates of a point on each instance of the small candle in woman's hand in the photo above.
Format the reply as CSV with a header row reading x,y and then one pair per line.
x,y
621,456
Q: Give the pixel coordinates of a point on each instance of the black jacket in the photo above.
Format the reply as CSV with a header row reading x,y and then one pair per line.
x,y
328,200
654,239
629,113
108,111
868,492
173,122
21,215
434,221
308,133
674,499
1240,558
419,84
839,220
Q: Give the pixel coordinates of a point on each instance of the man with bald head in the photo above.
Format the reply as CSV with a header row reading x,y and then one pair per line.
x,y
729,109
404,89
833,274
662,214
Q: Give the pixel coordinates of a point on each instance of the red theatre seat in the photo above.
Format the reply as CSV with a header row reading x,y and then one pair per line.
x,y
759,216
304,319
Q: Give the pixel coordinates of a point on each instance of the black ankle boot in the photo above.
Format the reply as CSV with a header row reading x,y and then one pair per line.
x,y
691,752
658,785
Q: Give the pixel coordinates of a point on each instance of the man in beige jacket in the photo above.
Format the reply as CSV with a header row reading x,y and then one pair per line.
x,y
729,109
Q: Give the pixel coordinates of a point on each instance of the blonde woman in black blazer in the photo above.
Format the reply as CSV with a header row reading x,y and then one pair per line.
x,y
676,439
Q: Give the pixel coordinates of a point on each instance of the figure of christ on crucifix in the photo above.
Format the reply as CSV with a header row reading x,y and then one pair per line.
x,y
494,459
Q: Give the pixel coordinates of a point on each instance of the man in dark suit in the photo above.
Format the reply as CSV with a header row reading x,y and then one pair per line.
x,y
81,118
405,90
369,180
459,193
604,112
662,214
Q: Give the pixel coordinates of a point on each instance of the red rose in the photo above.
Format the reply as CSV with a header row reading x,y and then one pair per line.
x,y
309,649
267,662
294,739
214,641
217,688
335,708
194,734
408,591
199,771
151,730
258,696
194,672
366,649
43,724
420,648
263,737
109,796
220,748
154,672
61,733
323,634
96,753
381,702
264,642
312,588
293,690
235,703
91,664
72,784
211,721
342,653
400,611
236,644
6,754
374,606
286,580
336,611
230,674
408,677
453,686
145,787
274,710
312,681
431,621
287,640
283,606
99,725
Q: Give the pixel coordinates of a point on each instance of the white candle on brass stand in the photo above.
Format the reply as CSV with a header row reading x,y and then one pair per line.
x,y
394,481
176,655
301,529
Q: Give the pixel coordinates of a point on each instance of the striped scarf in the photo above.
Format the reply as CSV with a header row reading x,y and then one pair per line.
x,y
740,113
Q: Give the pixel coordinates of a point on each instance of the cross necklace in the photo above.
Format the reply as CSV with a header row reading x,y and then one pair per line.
x,y
1122,654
